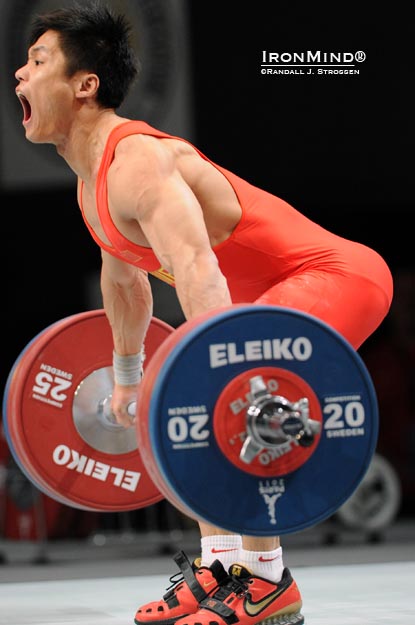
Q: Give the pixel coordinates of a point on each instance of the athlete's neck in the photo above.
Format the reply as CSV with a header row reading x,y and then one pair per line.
x,y
82,149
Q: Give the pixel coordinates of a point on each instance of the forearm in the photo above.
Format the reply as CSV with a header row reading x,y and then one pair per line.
x,y
128,306
201,286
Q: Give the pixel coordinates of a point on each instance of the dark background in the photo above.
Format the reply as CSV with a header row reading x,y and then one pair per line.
x,y
339,148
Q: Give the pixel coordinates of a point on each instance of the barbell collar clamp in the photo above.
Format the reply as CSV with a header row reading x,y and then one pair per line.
x,y
272,421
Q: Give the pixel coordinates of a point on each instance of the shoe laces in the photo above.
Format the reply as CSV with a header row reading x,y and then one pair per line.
x,y
234,584
174,580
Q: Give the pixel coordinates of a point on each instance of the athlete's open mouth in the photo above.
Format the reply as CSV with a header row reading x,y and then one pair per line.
x,y
27,109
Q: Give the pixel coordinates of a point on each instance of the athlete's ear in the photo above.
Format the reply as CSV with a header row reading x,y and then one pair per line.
x,y
86,85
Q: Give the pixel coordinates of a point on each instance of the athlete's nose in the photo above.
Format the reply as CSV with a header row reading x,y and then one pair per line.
x,y
20,73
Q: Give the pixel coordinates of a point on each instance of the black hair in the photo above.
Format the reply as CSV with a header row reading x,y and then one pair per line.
x,y
93,39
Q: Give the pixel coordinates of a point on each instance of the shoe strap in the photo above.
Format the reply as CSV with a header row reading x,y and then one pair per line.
x,y
186,568
219,608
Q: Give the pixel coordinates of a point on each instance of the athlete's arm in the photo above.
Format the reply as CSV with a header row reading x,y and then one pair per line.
x,y
171,219
128,304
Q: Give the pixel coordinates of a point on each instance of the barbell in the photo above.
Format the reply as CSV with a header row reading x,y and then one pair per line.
x,y
258,419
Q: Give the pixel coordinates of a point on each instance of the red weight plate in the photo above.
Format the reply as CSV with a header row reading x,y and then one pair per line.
x,y
53,416
15,437
12,425
229,421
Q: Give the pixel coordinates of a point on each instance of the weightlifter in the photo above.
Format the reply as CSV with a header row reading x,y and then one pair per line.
x,y
155,204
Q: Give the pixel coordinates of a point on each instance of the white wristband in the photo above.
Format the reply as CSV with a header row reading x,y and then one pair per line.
x,y
128,370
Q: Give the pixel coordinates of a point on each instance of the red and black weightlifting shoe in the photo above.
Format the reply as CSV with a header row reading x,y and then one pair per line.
x,y
194,585
248,600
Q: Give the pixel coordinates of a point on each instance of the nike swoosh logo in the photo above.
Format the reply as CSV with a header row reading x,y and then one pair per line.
x,y
207,584
261,559
252,609
213,550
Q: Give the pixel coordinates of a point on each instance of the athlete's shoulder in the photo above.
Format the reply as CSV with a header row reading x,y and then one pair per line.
x,y
132,127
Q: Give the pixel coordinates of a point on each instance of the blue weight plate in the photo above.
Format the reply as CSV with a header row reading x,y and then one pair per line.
x,y
191,469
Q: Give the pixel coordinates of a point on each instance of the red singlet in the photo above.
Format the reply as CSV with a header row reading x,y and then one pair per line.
x,y
275,255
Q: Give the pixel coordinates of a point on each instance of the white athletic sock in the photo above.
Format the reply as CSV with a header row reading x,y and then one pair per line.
x,y
267,564
225,547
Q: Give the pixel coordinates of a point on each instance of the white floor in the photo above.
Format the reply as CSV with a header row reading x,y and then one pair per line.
x,y
362,594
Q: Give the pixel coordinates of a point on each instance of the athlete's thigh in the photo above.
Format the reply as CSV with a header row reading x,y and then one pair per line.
x,y
351,304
